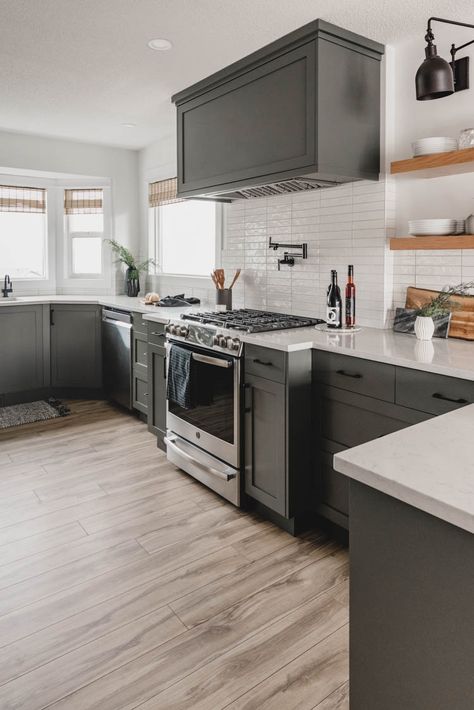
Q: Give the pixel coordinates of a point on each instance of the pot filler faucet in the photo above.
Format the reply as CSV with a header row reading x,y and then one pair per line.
x,y
7,286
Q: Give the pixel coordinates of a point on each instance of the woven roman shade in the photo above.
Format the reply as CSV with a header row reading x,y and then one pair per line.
x,y
22,199
83,201
163,192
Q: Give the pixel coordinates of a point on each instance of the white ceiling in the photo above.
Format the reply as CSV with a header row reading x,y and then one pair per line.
x,y
80,68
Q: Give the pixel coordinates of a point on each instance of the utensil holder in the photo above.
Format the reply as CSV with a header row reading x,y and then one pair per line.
x,y
224,298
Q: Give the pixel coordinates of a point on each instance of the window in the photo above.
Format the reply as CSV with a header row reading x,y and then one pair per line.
x,y
84,219
23,232
183,233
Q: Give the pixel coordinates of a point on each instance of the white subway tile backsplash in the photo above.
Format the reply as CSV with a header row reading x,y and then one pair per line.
x,y
342,225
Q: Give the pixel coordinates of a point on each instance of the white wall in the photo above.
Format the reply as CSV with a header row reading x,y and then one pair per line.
x,y
24,152
418,198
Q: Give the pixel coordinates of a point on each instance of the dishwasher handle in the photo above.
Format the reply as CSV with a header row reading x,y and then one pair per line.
x,y
119,318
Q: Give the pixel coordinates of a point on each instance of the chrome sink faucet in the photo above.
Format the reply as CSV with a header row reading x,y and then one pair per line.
x,y
7,286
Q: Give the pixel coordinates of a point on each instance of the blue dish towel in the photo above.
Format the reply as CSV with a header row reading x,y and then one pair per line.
x,y
179,377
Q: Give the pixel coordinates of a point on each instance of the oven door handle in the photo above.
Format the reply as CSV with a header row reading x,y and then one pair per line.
x,y
170,441
218,362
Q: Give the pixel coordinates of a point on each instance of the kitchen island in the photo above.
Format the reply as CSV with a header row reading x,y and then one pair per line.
x,y
412,567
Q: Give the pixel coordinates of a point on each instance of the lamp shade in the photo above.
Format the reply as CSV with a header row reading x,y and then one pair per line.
x,y
434,78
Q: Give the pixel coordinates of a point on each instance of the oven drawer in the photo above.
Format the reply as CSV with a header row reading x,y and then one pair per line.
x,y
213,473
265,362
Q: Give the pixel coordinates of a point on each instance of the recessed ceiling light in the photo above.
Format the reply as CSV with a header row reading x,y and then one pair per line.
x,y
161,45
129,125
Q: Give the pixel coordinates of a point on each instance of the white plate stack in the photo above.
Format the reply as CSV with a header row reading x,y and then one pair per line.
x,y
438,144
432,227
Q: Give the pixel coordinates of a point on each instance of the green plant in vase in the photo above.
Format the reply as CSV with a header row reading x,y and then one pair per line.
x,y
439,305
133,267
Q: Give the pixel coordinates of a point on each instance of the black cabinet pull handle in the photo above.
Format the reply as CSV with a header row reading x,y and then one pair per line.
x,y
51,317
354,375
260,362
160,335
437,395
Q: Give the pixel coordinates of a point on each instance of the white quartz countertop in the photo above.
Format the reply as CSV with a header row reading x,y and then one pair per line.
x,y
126,303
429,466
451,357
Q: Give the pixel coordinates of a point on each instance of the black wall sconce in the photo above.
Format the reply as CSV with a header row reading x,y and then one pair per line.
x,y
289,257
436,77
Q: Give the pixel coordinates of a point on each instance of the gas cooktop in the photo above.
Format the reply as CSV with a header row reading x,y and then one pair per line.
x,y
251,321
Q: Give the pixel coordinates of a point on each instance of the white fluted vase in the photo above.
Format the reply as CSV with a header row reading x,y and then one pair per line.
x,y
424,327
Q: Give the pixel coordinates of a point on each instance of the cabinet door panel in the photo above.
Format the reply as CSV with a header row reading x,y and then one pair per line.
x,y
256,124
157,392
140,393
265,443
21,349
76,349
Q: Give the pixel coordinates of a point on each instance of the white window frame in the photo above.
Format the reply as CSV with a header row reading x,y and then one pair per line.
x,y
67,280
47,283
58,250
155,244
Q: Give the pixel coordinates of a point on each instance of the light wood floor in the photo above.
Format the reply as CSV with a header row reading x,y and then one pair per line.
x,y
126,584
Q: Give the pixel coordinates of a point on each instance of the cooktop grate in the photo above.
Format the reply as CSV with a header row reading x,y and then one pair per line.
x,y
251,321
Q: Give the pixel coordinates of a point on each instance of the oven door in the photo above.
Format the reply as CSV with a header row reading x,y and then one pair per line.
x,y
213,422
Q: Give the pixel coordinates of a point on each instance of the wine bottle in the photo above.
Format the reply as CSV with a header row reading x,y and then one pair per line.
x,y
350,298
334,303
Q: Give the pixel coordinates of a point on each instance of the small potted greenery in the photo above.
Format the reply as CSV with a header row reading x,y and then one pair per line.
x,y
438,306
134,268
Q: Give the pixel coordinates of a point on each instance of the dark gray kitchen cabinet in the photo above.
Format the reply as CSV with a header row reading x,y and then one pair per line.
x,y
156,366
265,443
357,400
24,348
140,389
140,393
276,433
76,349
305,105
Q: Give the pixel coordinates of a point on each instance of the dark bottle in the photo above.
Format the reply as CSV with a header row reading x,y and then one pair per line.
x,y
350,298
334,303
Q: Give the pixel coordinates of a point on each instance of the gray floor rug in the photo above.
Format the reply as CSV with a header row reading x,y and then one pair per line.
x,y
30,412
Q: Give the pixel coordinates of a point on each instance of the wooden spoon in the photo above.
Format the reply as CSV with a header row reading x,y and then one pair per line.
x,y
236,276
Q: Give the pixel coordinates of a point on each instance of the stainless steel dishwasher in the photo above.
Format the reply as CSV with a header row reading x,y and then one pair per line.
x,y
116,355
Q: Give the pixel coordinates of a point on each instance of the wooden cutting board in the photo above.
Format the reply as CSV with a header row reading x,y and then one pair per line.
x,y
462,321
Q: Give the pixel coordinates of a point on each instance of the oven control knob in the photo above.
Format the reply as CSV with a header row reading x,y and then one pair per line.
x,y
183,331
215,340
222,341
235,345
168,328
175,329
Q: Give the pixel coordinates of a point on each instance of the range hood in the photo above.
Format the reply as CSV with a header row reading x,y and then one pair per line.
x,y
300,114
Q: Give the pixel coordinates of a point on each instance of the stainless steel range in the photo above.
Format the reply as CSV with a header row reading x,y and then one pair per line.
x,y
203,405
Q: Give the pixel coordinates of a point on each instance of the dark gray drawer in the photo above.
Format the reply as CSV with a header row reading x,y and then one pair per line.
x,y
350,419
435,394
140,352
139,325
373,379
265,362
156,333
140,394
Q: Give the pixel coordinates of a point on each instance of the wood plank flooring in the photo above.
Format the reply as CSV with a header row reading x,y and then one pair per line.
x,y
126,584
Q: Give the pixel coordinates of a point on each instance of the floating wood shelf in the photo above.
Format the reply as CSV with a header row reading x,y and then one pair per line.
x,y
461,241
456,161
